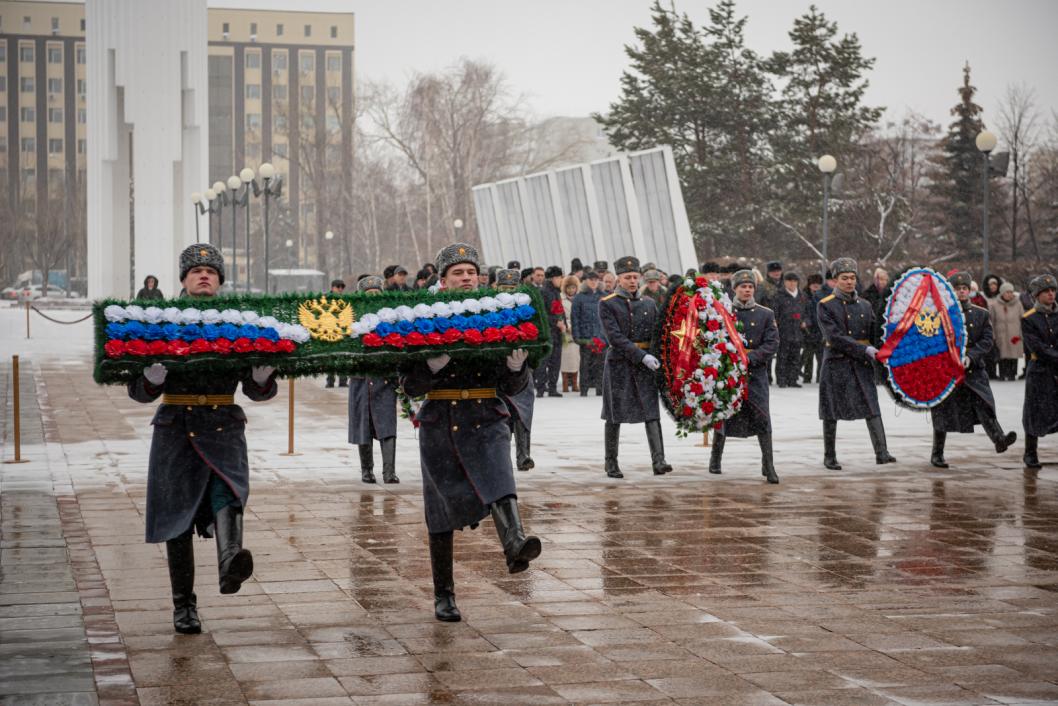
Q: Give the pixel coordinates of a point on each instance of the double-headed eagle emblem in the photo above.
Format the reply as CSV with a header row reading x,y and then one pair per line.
x,y
326,320
927,323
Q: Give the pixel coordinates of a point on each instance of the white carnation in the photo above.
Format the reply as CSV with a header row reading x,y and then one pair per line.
x,y
250,317
298,334
405,313
441,309
369,322
264,321
505,300
172,315
472,305
211,316
422,311
521,298
232,316
152,315
134,312
387,314
458,307
190,316
115,313
489,303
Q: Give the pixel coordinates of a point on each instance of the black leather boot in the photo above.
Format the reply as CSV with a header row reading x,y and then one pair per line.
x,y
1031,457
518,548
181,555
522,446
657,448
830,437
936,457
612,437
367,463
234,564
767,458
877,432
444,590
389,460
717,452
996,435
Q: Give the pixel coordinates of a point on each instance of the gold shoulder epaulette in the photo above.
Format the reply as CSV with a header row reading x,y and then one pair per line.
x,y
609,296
826,298
1029,313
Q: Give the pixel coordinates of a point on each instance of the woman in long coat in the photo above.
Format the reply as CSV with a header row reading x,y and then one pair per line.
x,y
1006,311
570,350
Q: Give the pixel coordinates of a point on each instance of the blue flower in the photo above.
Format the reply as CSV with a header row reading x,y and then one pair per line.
x,y
270,333
384,329
493,320
229,331
405,327
425,326
210,332
525,312
171,332
249,331
442,324
460,322
115,330
152,333
134,329
507,317
191,332
477,321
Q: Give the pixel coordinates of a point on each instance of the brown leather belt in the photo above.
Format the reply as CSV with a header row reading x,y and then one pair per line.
x,y
475,393
198,400
643,345
862,341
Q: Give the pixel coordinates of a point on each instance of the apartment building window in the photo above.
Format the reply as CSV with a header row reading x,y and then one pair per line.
x,y
82,87
27,115
279,149
81,55
225,29
54,85
253,121
82,147
279,92
308,122
253,152
26,52
280,122
54,115
54,25
54,54
334,62
333,124
308,94
308,30
29,144
253,91
334,95
3,145
82,116
334,31
55,145
308,62
279,30
26,84
82,24
27,22
3,113
253,59
253,30
279,61
3,54
3,83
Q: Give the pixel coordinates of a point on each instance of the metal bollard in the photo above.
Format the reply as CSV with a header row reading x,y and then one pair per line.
x,y
27,318
17,407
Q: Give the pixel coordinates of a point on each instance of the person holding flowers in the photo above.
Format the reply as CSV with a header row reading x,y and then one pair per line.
x,y
846,381
465,443
761,336
588,333
971,402
198,473
1039,330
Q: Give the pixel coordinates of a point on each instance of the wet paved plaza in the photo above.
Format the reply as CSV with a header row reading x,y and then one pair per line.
x,y
877,585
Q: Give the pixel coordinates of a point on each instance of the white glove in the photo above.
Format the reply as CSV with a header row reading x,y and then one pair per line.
x,y
966,362
651,362
516,360
261,373
438,362
872,352
155,374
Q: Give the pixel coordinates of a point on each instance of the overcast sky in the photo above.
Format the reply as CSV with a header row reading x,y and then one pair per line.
x,y
566,56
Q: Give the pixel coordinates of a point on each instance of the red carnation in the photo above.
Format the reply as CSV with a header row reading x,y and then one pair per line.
x,y
178,347
688,411
697,388
701,280
114,348
201,345
710,372
708,407
241,345
529,331
222,346
415,339
731,382
158,347
434,339
395,340
712,325
372,340
263,345
797,317
720,347
473,337
452,335
493,335
137,347
285,345
1015,340
556,308
511,334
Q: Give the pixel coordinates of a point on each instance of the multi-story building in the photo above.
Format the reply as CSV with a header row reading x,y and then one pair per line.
x,y
280,91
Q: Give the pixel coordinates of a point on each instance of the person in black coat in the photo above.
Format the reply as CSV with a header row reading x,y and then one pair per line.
x,y
373,411
150,289
1039,331
465,444
812,351
586,325
971,402
761,337
337,287
791,311
547,372
198,474
630,393
520,405
846,383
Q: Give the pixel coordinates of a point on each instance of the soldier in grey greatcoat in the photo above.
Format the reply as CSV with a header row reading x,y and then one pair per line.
x,y
1039,332
630,393
846,382
971,402
520,405
198,472
465,444
761,336
373,411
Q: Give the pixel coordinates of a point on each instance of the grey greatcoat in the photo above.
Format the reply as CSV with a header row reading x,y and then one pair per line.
x,y
464,445
966,404
521,405
761,336
372,409
846,382
189,444
1039,414
630,394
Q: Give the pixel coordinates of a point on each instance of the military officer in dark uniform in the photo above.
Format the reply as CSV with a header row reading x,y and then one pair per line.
x,y
198,472
971,402
791,312
630,394
520,405
1039,331
761,336
846,383
465,444
373,411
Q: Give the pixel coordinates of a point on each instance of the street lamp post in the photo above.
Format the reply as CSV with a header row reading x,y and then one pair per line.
x,y
827,165
221,200
329,236
986,142
196,204
234,183
246,176
273,186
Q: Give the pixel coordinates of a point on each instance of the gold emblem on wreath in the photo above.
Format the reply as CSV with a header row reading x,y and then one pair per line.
x,y
927,323
326,320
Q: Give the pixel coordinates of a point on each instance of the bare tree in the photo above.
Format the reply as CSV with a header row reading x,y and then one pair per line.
x,y
1018,126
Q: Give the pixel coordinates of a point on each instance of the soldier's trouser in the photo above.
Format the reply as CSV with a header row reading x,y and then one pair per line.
x,y
220,495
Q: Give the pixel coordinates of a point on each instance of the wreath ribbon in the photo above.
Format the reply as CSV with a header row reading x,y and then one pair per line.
x,y
949,332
